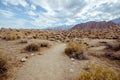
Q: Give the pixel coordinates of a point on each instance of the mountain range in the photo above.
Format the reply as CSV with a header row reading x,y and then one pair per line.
x,y
93,24
117,21
88,25
63,27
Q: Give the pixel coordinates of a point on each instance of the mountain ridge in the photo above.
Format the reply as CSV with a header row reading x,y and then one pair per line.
x,y
94,24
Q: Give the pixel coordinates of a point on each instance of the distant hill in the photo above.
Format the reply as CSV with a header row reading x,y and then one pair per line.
x,y
93,24
63,27
117,21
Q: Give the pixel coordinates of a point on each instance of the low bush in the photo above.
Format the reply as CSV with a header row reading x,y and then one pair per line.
x,y
97,72
45,44
3,66
10,37
23,41
112,55
32,47
76,50
114,47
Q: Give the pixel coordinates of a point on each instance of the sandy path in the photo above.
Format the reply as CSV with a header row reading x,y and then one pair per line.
x,y
52,65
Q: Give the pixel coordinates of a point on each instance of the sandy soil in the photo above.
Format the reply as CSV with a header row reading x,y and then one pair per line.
x,y
52,65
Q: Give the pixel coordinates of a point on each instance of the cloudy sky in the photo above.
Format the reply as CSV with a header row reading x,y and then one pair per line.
x,y
51,13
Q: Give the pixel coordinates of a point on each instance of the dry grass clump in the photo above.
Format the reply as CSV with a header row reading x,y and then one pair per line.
x,y
97,72
112,55
76,50
114,47
113,51
32,47
23,41
4,67
45,44
10,37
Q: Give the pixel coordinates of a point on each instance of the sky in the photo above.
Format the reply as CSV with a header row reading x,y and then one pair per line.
x,y
50,13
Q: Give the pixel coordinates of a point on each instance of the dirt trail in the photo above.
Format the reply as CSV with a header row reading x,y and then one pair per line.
x,y
52,65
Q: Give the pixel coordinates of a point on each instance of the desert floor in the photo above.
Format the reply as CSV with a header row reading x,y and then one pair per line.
x,y
51,63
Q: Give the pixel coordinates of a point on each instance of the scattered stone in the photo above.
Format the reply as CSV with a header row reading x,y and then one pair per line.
x,y
71,70
23,60
32,54
72,59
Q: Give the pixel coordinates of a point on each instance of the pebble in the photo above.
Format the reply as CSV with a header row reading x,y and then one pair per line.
x,y
72,59
23,59
71,70
32,54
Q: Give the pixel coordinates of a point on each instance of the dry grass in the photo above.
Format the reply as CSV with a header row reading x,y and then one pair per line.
x,y
113,47
112,55
45,44
32,47
4,66
10,36
23,41
76,50
113,51
97,72
63,36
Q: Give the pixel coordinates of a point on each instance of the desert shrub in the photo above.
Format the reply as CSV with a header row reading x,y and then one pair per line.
x,y
75,50
10,37
114,47
32,47
3,67
97,72
23,41
45,44
112,55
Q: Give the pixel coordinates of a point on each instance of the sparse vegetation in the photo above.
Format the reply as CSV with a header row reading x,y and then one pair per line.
x,y
4,67
97,72
114,47
23,41
10,37
32,47
112,55
76,50
62,36
45,44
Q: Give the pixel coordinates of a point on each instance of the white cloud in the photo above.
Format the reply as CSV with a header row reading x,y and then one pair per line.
x,y
33,7
31,13
58,12
16,2
101,10
13,23
5,13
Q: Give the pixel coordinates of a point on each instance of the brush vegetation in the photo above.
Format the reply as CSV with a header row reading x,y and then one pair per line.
x,y
97,72
4,66
76,50
32,47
